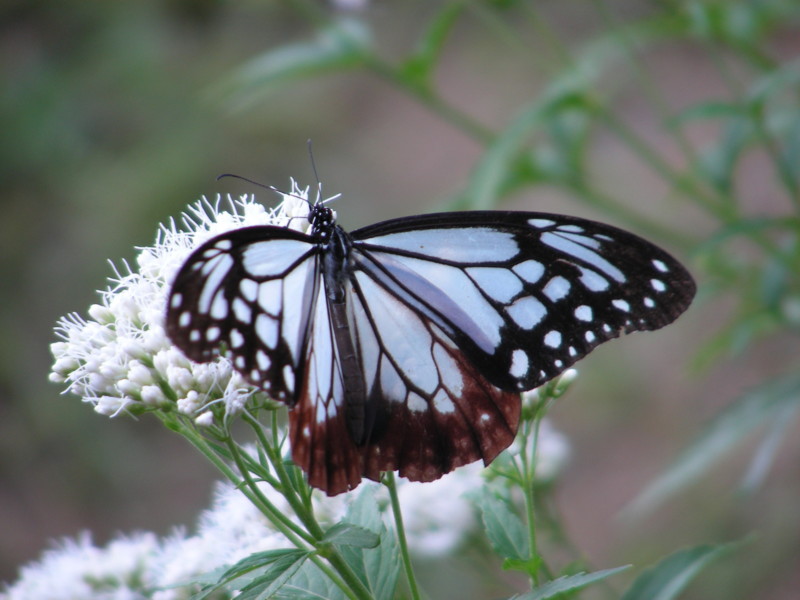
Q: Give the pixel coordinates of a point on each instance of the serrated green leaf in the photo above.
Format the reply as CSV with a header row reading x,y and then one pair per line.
x,y
505,530
378,567
264,566
273,579
347,534
309,583
669,577
569,583
726,431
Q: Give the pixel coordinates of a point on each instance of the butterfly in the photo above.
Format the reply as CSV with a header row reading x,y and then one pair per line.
x,y
404,346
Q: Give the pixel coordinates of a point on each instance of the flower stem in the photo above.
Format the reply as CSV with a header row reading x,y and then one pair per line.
x,y
389,482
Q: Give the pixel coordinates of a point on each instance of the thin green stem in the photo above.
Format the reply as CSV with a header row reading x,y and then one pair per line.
x,y
679,181
286,526
528,465
389,482
644,77
303,511
432,101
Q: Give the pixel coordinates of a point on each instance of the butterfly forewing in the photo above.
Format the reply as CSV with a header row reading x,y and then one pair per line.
x,y
250,291
535,292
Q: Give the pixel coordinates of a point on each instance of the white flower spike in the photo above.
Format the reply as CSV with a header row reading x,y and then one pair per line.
x,y
119,359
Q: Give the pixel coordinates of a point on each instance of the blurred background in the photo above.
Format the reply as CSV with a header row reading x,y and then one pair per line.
x,y
677,120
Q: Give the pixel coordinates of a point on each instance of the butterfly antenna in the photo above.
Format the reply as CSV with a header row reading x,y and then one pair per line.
x,y
271,188
316,174
319,199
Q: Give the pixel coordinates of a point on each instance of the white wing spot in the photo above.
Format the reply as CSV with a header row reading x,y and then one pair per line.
x,y
215,270
249,289
572,351
571,228
267,331
576,246
219,306
237,339
584,313
306,431
176,300
184,319
239,362
519,364
194,336
607,328
658,285
527,312
263,360
658,264
272,257
288,378
269,296
649,302
449,373
467,245
541,223
416,403
242,310
224,245
485,417
442,403
553,339
589,336
499,284
621,304
530,270
558,364
593,281
557,288
212,333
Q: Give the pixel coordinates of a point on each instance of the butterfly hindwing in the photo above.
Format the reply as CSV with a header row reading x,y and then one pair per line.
x,y
428,409
535,292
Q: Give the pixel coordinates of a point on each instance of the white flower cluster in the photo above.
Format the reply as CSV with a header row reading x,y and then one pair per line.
x,y
119,358
142,566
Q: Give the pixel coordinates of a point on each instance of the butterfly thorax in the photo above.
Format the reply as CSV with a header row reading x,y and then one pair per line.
x,y
322,221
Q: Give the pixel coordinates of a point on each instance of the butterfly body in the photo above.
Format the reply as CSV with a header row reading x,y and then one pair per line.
x,y
404,345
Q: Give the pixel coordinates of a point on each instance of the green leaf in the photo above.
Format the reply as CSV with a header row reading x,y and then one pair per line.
x,y
420,65
670,576
505,530
262,570
342,44
377,567
273,579
569,583
728,429
347,534
309,583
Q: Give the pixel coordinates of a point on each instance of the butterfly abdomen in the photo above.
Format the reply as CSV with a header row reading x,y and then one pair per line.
x,y
336,271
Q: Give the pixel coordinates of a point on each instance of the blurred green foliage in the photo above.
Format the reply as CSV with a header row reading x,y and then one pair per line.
x,y
678,119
